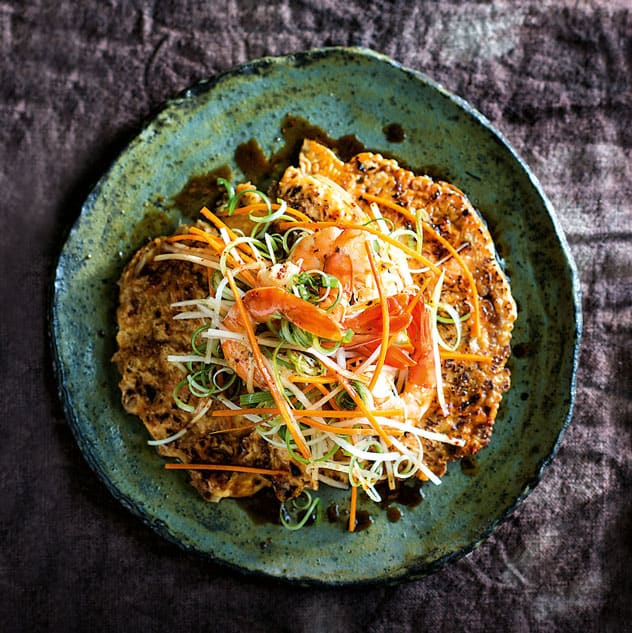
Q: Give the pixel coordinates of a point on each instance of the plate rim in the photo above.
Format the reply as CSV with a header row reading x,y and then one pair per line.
x,y
198,89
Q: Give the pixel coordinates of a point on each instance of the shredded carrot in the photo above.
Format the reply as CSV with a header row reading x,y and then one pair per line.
x,y
262,206
281,403
218,245
361,227
229,467
358,401
468,273
188,236
312,413
343,430
321,387
385,318
213,240
209,215
477,358
353,508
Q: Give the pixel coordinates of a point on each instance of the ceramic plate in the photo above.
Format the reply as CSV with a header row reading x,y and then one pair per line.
x,y
343,91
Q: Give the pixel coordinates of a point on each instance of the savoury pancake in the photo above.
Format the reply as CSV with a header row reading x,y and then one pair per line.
x,y
344,202
147,335
473,390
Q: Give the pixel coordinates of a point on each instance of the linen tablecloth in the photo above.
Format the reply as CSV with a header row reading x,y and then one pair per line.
x,y
78,78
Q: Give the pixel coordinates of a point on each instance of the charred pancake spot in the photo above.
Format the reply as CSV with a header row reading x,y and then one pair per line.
x,y
150,393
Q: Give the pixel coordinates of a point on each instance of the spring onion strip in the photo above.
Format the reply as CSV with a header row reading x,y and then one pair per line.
x,y
187,257
332,365
185,358
305,510
168,440
209,301
455,320
453,251
436,296
267,373
262,206
385,318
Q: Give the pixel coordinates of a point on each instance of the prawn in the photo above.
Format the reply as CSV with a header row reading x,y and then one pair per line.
x,y
263,305
411,348
342,254
421,382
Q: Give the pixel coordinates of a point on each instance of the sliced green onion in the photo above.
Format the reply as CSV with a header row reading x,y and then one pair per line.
x,y
453,319
344,400
295,514
230,190
181,404
234,199
198,350
450,320
304,364
329,455
255,399
381,219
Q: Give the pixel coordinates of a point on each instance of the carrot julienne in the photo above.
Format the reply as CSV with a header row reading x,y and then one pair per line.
x,y
468,273
267,374
209,215
228,467
477,358
342,430
358,401
385,318
233,429
369,229
262,206
353,508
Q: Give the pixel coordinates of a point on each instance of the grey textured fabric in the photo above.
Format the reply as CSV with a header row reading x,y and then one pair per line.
x,y
76,80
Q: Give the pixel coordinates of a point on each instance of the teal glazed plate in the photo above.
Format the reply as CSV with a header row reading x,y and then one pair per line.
x,y
344,91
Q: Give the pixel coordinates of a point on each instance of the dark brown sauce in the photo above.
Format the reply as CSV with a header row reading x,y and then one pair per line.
x,y
408,494
251,160
364,520
470,466
333,512
262,508
394,133
521,350
200,191
262,171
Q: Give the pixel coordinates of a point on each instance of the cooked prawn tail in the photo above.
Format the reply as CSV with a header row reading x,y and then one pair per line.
x,y
264,304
